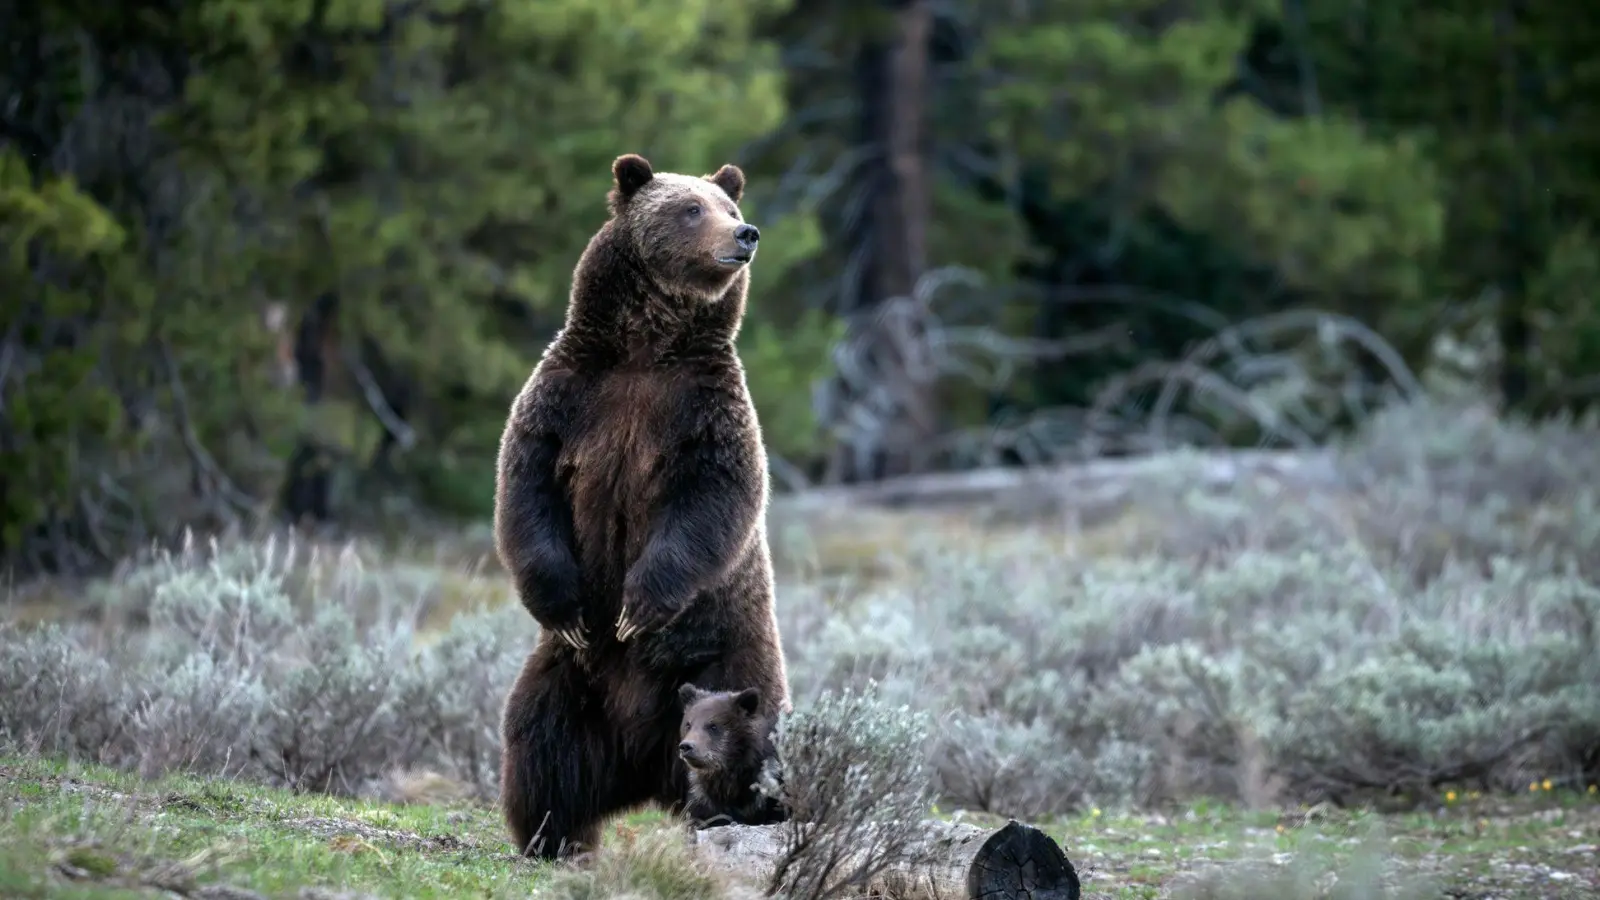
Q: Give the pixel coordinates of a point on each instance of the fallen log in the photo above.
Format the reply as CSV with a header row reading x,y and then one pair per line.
x,y
953,861
1002,487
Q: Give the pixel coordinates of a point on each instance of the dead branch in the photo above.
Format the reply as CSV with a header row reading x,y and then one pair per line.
x,y
210,480
372,392
896,352
1289,418
1205,381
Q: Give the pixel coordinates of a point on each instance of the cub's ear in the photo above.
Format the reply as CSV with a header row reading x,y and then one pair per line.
x,y
731,179
688,694
631,172
749,700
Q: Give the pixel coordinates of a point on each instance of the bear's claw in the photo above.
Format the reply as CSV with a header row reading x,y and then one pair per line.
x,y
574,636
625,628
639,619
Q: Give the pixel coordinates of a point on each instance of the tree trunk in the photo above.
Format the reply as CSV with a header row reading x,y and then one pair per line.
x,y
952,862
904,244
1515,320
892,81
307,485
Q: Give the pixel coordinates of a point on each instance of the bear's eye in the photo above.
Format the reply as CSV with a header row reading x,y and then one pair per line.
x,y
713,729
695,210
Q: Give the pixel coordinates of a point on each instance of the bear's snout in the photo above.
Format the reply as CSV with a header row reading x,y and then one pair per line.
x,y
686,752
745,237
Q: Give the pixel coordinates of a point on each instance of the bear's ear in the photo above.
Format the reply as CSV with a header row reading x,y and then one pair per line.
x,y
731,179
688,694
631,172
749,700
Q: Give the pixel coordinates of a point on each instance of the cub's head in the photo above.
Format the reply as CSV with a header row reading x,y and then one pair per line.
x,y
688,231
719,728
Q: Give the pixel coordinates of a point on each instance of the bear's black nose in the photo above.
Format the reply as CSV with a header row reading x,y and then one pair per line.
x,y
685,747
747,235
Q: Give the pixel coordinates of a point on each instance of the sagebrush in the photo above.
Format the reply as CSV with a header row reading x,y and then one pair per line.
x,y
268,661
1428,617
851,771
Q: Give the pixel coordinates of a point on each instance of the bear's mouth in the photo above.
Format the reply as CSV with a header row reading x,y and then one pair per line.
x,y
739,260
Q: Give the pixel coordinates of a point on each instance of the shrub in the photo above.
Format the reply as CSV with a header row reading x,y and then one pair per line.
x,y
56,698
851,771
266,661
1428,615
1407,626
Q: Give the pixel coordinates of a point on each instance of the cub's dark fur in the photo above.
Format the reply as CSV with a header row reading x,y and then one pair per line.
x,y
725,741
630,512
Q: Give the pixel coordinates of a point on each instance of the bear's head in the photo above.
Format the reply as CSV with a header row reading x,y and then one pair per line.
x,y
719,728
687,231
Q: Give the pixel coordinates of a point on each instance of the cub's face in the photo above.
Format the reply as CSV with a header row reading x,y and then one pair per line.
x,y
687,230
716,726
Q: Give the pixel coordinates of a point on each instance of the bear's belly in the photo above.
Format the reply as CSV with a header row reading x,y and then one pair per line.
x,y
609,500
612,467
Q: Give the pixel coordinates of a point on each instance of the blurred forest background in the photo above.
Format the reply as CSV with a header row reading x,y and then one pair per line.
x,y
295,257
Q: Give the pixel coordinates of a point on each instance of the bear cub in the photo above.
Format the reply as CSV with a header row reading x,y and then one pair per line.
x,y
724,744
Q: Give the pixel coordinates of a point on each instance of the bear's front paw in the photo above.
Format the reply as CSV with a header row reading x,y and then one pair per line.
x,y
575,636
569,628
641,615
550,594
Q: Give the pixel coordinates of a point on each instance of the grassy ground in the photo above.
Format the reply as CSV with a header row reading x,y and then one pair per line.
x,y
74,831
1543,847
1421,618
89,832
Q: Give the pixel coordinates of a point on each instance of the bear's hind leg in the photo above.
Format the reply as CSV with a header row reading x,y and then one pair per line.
x,y
557,781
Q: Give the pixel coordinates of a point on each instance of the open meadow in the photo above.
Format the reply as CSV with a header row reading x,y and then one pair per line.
x,y
1369,673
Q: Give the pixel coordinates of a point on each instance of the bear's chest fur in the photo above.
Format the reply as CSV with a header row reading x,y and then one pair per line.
x,y
614,463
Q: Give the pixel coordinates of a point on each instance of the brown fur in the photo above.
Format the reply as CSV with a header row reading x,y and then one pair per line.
x,y
632,490
725,740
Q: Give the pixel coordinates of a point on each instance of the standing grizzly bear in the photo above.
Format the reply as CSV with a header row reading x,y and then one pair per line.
x,y
726,741
630,511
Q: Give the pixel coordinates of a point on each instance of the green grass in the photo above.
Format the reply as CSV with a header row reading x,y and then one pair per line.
x,y
78,831
1541,846
74,831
